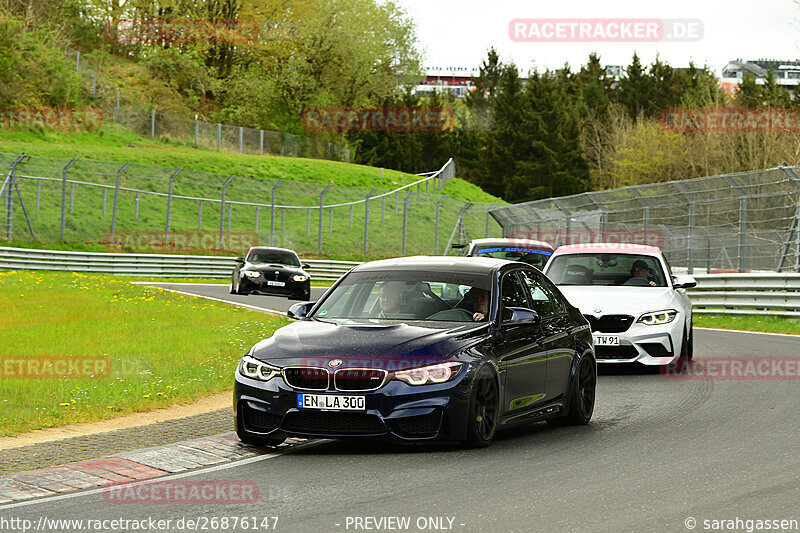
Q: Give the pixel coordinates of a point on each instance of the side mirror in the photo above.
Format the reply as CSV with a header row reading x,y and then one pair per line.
x,y
239,260
458,245
305,266
521,315
299,310
683,282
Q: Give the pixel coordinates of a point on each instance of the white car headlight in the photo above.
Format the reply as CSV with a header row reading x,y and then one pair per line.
x,y
656,318
252,274
253,368
299,277
429,374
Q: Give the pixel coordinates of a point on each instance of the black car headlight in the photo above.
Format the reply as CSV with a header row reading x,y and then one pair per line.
x,y
426,375
252,274
299,277
656,318
255,369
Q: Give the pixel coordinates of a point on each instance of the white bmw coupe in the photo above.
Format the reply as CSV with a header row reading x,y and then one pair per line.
x,y
638,311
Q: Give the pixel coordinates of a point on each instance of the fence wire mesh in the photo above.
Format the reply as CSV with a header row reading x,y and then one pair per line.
x,y
734,222
139,207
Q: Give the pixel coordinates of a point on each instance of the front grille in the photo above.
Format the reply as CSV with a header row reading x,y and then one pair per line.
x,y
260,420
359,379
615,352
333,423
610,323
306,378
422,425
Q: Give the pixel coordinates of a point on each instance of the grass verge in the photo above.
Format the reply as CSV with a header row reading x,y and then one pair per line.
x,y
162,348
764,323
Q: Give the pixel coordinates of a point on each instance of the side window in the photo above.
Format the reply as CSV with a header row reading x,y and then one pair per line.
x,y
541,300
555,295
512,294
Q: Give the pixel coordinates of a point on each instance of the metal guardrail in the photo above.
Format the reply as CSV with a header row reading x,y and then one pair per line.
x,y
763,293
155,265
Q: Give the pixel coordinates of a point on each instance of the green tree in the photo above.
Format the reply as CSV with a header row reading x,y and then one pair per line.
x,y
635,91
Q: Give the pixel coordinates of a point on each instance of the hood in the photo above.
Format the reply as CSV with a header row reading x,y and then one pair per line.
x,y
391,346
271,267
618,300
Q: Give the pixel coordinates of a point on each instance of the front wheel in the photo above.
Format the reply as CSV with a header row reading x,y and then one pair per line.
x,y
582,394
483,410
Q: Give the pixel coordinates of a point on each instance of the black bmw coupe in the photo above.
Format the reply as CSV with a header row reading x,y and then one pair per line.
x,y
417,349
273,271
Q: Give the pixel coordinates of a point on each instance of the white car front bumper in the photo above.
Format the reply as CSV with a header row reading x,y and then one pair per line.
x,y
640,343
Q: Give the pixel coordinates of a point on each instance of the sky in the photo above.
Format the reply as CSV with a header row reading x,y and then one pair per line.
x,y
460,32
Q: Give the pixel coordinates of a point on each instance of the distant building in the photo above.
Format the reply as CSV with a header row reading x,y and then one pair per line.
x,y
456,80
787,73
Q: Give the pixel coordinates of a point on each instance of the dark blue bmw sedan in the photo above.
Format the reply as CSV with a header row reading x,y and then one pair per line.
x,y
417,349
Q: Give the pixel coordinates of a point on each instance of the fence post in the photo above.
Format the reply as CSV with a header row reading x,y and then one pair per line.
x,y
116,109
8,186
94,84
690,236
260,142
283,224
200,214
38,194
116,200
153,123
64,196
321,206
257,208
741,263
794,227
222,209
487,219
241,139
105,191
308,221
436,231
71,197
366,219
196,131
169,203
383,208
351,216
136,206
405,218
230,211
272,214
78,62
330,219
219,136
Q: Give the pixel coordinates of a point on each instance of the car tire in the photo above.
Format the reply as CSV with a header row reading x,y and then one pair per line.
x,y
581,395
484,410
258,441
687,345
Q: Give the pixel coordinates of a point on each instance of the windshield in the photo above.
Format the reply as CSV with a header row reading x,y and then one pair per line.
x,y
276,257
531,256
606,269
407,296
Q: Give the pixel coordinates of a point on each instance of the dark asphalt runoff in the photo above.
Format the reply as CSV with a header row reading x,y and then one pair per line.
x,y
660,454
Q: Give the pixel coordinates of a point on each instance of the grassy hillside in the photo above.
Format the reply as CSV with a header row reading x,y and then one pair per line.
x,y
88,227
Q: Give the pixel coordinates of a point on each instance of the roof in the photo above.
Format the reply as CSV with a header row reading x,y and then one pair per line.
x,y
437,263
517,243
607,247
262,248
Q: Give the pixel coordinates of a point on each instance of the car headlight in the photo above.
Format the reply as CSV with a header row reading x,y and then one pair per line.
x,y
255,369
425,375
299,277
657,318
252,274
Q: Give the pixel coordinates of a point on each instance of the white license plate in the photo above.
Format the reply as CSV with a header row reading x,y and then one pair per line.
x,y
276,283
331,402
606,340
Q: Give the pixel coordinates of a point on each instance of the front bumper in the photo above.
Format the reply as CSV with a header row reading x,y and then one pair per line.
x,y
396,411
261,286
647,345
